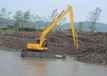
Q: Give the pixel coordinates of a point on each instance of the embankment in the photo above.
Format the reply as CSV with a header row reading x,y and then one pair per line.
x,y
92,46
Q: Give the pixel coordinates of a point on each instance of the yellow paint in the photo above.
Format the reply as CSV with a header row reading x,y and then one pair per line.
x,y
51,26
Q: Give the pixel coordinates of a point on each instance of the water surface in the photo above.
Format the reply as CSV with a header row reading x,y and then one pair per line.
x,y
12,64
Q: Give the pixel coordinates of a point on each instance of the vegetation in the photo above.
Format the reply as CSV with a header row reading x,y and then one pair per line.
x,y
23,21
94,16
81,28
3,16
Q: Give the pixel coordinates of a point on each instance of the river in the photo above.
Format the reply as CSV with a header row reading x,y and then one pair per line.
x,y
12,64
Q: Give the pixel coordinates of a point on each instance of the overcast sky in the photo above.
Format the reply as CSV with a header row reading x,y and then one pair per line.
x,y
81,8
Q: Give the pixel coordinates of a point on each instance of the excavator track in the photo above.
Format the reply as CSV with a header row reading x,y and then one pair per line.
x,y
41,54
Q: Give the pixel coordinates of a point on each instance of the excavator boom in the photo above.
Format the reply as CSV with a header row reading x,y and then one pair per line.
x,y
49,28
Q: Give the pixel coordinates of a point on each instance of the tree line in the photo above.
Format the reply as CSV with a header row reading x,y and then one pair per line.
x,y
20,19
93,17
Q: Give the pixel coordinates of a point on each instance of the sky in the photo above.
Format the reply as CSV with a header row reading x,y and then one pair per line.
x,y
81,8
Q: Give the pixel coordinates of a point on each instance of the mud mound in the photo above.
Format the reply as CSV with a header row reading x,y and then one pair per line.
x,y
92,46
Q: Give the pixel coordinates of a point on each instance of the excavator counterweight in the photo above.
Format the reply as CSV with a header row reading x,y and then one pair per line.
x,y
38,49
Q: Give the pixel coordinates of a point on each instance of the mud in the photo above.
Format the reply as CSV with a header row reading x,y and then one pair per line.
x,y
92,46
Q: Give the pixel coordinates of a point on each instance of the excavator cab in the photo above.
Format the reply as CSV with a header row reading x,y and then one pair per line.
x,y
44,42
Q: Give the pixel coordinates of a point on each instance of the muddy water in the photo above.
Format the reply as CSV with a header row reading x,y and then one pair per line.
x,y
11,64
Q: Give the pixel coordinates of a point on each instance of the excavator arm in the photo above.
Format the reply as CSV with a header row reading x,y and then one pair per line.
x,y
39,46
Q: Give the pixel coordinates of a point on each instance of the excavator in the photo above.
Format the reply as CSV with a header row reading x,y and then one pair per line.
x,y
39,49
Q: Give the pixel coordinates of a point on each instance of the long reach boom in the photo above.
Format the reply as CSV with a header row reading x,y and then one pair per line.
x,y
40,46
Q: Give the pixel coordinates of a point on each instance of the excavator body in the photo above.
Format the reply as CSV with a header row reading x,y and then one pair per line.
x,y
37,46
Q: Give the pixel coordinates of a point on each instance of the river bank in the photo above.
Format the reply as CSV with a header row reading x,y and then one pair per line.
x,y
92,46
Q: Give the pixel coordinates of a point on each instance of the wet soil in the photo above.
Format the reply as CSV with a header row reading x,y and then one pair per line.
x,y
92,46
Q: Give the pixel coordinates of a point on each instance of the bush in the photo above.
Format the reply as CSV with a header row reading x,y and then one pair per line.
x,y
26,29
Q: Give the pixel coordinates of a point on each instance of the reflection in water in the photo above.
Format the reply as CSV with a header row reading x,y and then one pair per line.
x,y
11,64
39,66
75,69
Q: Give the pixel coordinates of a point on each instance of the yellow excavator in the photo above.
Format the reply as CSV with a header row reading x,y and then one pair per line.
x,y
41,43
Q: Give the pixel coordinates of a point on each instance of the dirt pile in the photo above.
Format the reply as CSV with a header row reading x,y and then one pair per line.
x,y
92,46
